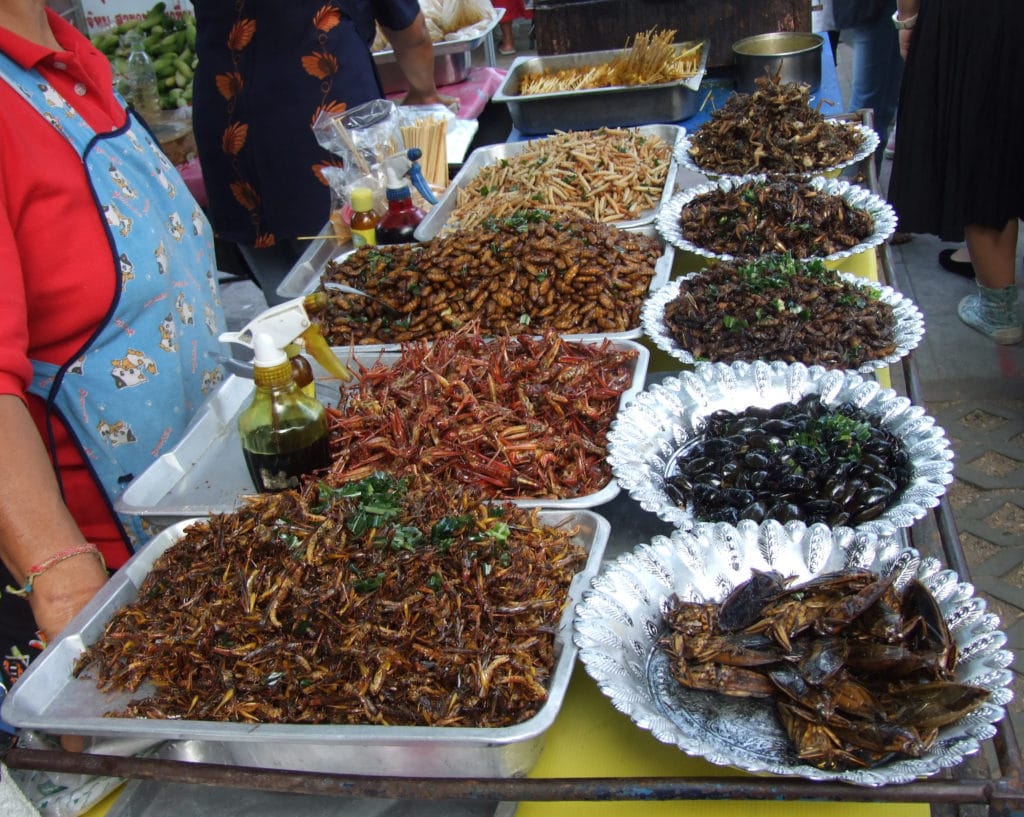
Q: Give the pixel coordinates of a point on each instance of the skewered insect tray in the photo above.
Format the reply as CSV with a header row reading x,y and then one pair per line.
x,y
47,698
482,157
621,618
854,196
205,472
652,435
908,326
594,107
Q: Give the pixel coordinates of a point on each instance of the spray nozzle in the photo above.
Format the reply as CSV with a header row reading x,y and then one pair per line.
x,y
406,164
281,326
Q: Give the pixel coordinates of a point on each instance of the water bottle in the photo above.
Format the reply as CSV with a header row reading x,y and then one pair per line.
x,y
139,87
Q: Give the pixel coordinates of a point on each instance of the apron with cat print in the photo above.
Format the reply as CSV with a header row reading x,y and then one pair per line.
x,y
133,387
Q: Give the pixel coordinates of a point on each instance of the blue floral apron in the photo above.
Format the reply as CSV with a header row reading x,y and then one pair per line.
x,y
130,391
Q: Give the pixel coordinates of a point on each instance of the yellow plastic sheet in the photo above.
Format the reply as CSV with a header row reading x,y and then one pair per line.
x,y
590,738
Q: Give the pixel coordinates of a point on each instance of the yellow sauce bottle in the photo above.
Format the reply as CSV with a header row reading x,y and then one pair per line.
x,y
364,219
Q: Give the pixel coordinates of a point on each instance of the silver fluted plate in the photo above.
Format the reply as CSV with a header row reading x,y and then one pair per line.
x,y
666,417
868,145
908,326
856,197
619,620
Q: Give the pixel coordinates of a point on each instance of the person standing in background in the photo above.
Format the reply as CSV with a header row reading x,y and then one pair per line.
x,y
957,171
267,69
514,10
823,22
866,26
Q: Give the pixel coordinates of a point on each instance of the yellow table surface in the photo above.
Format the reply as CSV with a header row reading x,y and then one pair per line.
x,y
590,738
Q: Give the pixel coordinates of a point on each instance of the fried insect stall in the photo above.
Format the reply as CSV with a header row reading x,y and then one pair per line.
x,y
860,672
383,601
780,308
523,274
515,417
776,215
773,130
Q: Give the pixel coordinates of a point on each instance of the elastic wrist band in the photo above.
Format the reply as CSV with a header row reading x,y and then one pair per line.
x,y
55,559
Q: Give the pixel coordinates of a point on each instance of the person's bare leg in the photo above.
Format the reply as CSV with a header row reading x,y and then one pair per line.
x,y
508,42
993,310
993,253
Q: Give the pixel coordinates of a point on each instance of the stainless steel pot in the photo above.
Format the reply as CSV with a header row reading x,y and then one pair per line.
x,y
794,55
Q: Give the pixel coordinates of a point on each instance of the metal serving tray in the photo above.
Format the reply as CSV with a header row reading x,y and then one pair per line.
x,y
305,277
493,154
594,107
47,698
205,473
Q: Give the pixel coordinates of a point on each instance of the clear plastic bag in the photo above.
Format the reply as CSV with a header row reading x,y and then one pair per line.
x,y
363,137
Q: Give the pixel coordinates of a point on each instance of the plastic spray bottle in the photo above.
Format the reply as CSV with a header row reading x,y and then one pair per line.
x,y
283,431
399,223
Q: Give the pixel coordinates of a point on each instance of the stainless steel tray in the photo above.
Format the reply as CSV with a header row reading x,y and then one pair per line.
x,y
493,154
47,698
305,277
594,107
205,473
459,42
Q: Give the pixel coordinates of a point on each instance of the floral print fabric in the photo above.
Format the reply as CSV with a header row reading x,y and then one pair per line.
x,y
267,70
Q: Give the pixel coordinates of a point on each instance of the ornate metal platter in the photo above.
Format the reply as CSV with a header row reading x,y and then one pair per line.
x,y
858,198
620,619
648,434
908,329
868,145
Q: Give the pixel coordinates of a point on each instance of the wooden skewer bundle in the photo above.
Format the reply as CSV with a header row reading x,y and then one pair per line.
x,y
430,135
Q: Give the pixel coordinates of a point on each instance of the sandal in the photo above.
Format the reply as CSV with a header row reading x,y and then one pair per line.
x,y
507,52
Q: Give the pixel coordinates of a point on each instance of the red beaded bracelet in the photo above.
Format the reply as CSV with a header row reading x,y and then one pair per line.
x,y
55,559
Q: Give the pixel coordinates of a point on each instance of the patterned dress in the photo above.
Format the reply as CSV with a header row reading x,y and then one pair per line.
x,y
267,71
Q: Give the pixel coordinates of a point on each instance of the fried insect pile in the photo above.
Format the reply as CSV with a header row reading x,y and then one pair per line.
x,y
650,59
860,673
515,417
780,308
376,602
772,130
779,215
525,273
793,461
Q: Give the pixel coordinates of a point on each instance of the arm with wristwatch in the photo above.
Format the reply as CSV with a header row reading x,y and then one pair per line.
x,y
904,19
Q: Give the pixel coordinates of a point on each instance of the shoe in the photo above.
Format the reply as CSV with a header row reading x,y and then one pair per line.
x,y
507,52
948,262
993,312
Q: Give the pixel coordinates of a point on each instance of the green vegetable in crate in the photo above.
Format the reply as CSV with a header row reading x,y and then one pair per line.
x,y
170,43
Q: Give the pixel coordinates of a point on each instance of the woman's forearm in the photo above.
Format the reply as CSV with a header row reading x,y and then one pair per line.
x,y
35,524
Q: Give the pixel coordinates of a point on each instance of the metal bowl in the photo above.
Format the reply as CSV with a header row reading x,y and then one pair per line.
x,y
908,329
647,436
794,55
856,197
620,619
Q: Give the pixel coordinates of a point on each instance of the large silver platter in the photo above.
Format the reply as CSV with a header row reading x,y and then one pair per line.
x,y
50,699
620,619
868,145
908,329
649,432
856,197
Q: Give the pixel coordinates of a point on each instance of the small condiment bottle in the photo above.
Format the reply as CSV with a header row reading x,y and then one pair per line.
x,y
364,219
